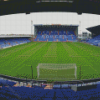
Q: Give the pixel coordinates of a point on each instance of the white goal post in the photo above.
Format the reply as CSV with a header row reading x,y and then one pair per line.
x,y
56,71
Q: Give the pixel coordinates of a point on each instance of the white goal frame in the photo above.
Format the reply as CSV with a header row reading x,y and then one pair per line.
x,y
59,66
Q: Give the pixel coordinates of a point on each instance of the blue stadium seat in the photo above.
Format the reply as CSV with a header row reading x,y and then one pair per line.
x,y
95,41
12,42
38,93
54,37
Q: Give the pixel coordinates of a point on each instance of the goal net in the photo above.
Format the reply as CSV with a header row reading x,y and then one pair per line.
x,y
56,71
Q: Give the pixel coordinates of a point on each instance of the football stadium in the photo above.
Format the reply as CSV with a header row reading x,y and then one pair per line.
x,y
48,48
54,57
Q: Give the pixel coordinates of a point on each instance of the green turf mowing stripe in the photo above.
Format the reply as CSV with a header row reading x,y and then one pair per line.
x,y
51,51
87,49
23,56
90,57
34,60
50,55
88,61
62,54
19,63
69,49
30,53
38,57
14,47
13,59
12,54
14,50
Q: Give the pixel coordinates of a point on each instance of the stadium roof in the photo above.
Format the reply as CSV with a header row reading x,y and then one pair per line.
x,y
70,1
27,6
14,35
94,30
67,27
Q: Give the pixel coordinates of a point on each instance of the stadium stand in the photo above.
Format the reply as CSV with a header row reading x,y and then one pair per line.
x,y
55,36
94,41
6,83
11,92
4,43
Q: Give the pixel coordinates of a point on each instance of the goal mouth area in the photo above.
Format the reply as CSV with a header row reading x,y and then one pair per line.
x,y
56,72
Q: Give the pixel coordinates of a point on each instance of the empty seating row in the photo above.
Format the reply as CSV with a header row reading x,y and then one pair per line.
x,y
97,37
95,41
38,93
6,83
55,32
12,42
55,38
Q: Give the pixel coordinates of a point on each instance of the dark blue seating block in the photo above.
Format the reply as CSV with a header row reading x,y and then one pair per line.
x,y
6,82
47,99
50,94
59,94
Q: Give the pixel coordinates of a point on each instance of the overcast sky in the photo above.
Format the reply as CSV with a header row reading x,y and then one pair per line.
x,y
21,23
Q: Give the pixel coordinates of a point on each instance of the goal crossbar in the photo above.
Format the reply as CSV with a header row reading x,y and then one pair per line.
x,y
48,70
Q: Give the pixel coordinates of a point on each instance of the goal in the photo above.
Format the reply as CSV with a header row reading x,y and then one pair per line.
x,y
59,72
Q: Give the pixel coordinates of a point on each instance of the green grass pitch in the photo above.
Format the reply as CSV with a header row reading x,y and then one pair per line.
x,y
17,60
